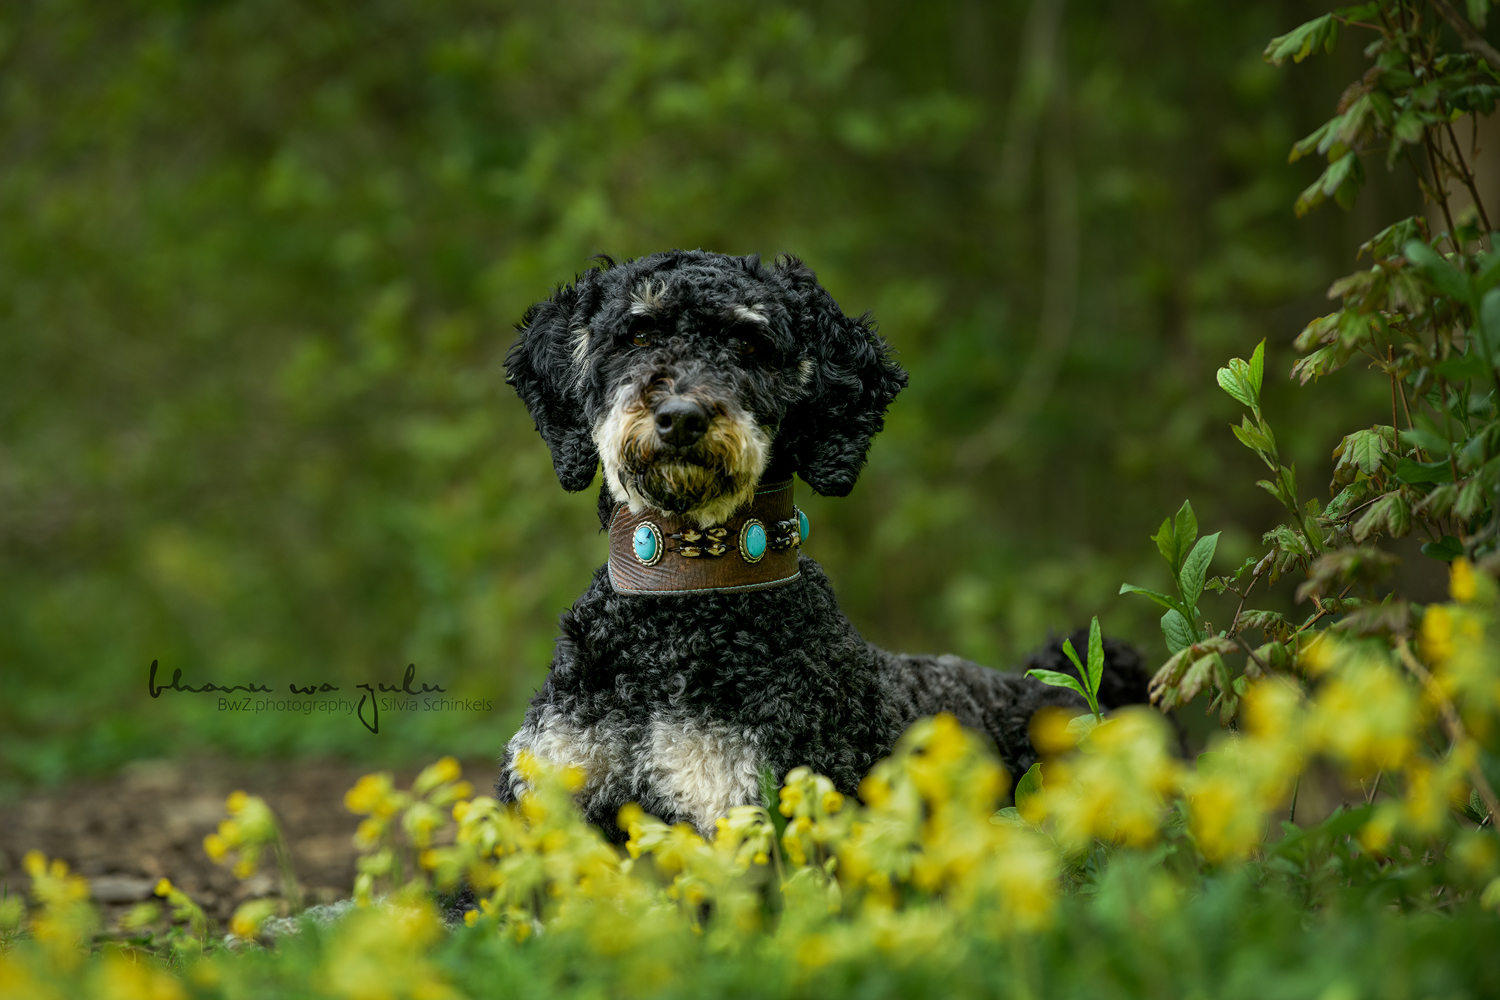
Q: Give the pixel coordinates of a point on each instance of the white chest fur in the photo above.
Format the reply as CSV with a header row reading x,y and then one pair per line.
x,y
703,768
688,769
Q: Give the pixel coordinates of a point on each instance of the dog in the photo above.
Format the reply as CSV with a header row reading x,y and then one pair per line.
x,y
709,652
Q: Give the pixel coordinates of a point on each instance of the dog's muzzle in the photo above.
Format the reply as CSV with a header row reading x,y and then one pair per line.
x,y
680,421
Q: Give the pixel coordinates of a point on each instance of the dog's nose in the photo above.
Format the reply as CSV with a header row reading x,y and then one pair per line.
x,y
680,421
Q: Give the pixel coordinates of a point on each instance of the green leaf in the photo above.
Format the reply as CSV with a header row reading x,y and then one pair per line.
x,y
1303,40
1167,602
1177,631
1390,513
1072,655
1448,549
1166,543
1195,569
1266,621
1457,367
1470,500
1399,517
1056,679
1257,437
1080,726
1409,471
1408,127
1011,815
1395,236
770,794
1197,675
1489,322
1258,366
1477,10
1095,673
1187,531
1323,361
1029,787
1174,537
1288,477
1446,278
1341,180
1307,144
1363,451
1235,384
1437,503
1426,438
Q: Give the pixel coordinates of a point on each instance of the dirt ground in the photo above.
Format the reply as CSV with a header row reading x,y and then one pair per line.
x,y
148,822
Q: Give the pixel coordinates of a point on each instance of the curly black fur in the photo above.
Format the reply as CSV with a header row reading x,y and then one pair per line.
x,y
678,702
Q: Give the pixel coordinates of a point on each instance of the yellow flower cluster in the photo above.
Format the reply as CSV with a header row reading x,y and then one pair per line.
x,y
383,952
250,829
65,923
924,862
1370,706
1460,640
1115,788
422,811
1245,777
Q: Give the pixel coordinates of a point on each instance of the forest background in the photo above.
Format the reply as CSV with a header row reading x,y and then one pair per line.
x,y
260,262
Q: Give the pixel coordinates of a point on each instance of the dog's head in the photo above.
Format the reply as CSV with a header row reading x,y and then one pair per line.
x,y
692,375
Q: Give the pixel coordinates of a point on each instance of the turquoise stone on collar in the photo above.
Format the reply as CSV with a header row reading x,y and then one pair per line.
x,y
804,528
753,541
647,543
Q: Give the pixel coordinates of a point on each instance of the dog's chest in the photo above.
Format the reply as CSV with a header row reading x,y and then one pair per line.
x,y
676,766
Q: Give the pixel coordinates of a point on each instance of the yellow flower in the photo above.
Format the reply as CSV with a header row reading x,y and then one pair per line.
x,y
373,795
1437,634
1226,821
1115,788
1319,655
1367,715
1049,731
1375,836
122,978
215,847
1461,582
1026,872
163,888
444,772
249,916
368,833
236,802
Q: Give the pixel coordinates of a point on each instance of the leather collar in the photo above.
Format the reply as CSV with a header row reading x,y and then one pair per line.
x,y
755,549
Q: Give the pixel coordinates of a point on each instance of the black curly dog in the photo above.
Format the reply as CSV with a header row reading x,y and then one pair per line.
x,y
693,377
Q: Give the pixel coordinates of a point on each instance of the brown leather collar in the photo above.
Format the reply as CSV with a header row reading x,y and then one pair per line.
x,y
756,549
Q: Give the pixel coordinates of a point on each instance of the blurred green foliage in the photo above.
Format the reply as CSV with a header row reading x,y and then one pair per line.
x,y
259,263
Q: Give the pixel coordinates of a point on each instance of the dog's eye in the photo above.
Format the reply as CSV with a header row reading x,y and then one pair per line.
x,y
642,338
744,348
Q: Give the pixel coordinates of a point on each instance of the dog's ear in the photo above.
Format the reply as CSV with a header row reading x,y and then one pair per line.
x,y
850,380
540,365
